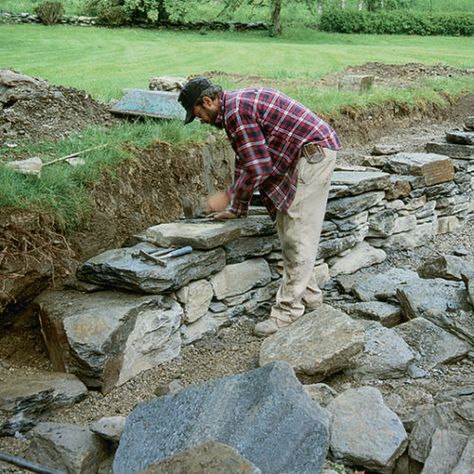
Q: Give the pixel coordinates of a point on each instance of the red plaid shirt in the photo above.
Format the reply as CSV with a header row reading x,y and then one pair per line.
x,y
267,130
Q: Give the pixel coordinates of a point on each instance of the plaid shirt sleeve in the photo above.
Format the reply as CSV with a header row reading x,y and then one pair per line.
x,y
253,164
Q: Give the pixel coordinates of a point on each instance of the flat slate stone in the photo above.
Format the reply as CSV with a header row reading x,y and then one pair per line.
x,y
67,447
433,344
119,268
381,286
459,152
319,343
142,102
448,267
442,302
361,256
386,355
291,435
380,150
344,207
351,183
386,314
433,167
466,463
365,431
24,399
247,247
199,235
461,137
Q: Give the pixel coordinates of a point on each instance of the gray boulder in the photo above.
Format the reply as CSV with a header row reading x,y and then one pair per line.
x,y
365,431
24,399
319,343
70,448
457,416
264,414
446,449
120,268
108,337
110,428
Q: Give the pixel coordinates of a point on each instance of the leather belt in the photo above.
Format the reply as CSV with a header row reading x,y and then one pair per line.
x,y
311,148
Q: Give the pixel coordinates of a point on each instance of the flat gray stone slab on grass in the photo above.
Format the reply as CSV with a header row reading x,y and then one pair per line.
x,y
208,458
433,344
143,102
199,235
319,343
433,167
119,268
25,398
265,414
108,337
365,431
67,447
444,303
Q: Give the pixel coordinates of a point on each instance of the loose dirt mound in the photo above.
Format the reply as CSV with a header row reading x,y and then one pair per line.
x,y
395,76
32,110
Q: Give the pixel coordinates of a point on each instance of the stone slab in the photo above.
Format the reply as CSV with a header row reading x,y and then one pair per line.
x,y
460,152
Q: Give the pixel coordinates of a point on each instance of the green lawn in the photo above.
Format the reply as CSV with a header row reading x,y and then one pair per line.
x,y
104,61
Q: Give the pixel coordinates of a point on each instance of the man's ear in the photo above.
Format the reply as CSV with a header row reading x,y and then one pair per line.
x,y
207,101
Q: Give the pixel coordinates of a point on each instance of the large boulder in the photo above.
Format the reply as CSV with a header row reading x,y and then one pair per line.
x,y
365,431
108,337
319,343
265,414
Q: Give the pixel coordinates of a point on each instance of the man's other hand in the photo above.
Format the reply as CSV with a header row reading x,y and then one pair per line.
x,y
218,202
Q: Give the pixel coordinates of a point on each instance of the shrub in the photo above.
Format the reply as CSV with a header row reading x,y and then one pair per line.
x,y
49,13
399,22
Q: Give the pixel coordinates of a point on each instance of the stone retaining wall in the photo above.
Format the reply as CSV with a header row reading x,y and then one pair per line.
x,y
401,201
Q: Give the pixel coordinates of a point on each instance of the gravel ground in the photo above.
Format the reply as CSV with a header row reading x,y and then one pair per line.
x,y
234,349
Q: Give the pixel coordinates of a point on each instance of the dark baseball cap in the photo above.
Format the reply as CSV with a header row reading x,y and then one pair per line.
x,y
190,93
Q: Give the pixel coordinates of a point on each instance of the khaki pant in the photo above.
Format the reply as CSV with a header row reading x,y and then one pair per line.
x,y
299,230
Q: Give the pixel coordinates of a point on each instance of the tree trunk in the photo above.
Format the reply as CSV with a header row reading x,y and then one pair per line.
x,y
360,5
343,4
319,6
276,20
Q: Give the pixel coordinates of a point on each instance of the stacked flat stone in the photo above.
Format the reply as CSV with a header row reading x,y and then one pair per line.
x,y
150,311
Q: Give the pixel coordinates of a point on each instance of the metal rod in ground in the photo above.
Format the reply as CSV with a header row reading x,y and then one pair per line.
x,y
31,466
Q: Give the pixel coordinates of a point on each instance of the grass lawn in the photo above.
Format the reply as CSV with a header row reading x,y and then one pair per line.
x,y
104,61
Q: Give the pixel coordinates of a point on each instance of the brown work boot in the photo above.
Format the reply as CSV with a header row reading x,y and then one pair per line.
x,y
269,327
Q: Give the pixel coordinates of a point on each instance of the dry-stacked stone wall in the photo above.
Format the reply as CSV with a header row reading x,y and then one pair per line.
x,y
133,308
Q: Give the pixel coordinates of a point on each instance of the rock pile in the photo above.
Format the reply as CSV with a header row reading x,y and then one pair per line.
x,y
130,310
33,110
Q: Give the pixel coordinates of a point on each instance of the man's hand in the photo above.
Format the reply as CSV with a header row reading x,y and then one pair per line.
x,y
224,215
218,202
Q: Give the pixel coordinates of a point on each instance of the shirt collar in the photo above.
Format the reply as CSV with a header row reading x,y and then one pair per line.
x,y
220,114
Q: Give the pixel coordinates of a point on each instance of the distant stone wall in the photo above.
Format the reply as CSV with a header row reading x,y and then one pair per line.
x,y
234,268
93,21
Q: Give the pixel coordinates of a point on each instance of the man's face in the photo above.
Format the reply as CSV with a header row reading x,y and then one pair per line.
x,y
207,111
